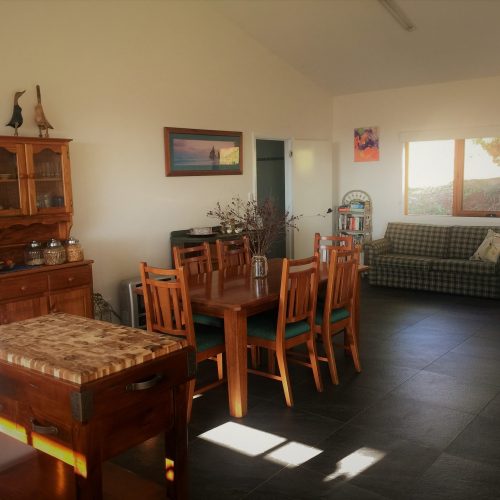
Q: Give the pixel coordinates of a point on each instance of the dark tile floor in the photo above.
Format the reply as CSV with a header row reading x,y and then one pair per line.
x,y
422,421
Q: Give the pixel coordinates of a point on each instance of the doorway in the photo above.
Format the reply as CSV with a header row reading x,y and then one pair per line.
x,y
271,182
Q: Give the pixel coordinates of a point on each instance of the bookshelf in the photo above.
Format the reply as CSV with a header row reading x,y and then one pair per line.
x,y
354,216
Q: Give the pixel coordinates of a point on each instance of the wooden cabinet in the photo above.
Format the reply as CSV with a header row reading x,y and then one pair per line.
x,y
64,288
36,202
35,176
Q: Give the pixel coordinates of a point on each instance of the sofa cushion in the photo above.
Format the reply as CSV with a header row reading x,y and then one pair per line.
x,y
426,240
489,249
464,266
465,240
404,261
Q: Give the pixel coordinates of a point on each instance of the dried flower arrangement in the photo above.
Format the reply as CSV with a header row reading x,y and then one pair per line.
x,y
263,222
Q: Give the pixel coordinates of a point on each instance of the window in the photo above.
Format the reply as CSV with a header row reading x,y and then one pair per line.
x,y
453,177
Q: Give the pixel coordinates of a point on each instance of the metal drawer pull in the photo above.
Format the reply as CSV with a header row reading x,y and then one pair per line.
x,y
44,429
145,384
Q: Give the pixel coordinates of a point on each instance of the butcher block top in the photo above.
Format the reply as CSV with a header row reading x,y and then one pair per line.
x,y
79,349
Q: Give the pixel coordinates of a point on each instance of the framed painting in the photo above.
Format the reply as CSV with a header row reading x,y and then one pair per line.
x,y
366,144
202,152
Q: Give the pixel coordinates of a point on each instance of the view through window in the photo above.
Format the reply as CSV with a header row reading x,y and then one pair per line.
x,y
453,177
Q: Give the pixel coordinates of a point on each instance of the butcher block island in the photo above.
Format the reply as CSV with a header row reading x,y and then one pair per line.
x,y
83,391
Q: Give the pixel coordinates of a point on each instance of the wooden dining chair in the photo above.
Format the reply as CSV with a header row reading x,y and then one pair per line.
x,y
195,260
168,310
233,252
323,245
294,323
337,313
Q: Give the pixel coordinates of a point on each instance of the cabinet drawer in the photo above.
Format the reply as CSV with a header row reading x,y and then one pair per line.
x,y
12,288
69,278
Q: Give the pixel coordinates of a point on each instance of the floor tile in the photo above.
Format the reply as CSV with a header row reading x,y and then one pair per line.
x,y
454,478
479,441
468,368
447,391
481,347
429,425
492,409
374,461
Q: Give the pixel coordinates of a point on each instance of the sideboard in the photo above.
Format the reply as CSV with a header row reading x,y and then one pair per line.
x,y
28,293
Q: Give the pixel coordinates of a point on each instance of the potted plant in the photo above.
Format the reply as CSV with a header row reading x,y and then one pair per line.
x,y
262,222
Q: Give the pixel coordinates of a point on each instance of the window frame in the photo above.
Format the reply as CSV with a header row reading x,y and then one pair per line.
x,y
458,184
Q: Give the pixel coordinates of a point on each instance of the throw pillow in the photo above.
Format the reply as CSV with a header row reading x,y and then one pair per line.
x,y
489,249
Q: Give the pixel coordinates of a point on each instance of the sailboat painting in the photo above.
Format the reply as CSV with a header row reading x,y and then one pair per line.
x,y
202,152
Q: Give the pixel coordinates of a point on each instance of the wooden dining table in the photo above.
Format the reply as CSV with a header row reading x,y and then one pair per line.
x,y
234,295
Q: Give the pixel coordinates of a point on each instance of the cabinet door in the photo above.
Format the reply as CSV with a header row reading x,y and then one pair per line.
x,y
76,301
49,178
13,180
17,310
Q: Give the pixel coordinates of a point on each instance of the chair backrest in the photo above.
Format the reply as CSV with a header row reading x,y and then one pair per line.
x,y
166,301
342,282
195,260
298,293
323,245
233,252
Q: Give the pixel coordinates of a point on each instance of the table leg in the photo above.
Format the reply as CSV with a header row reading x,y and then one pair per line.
x,y
235,330
88,463
176,448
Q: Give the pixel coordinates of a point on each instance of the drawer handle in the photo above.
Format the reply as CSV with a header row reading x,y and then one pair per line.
x,y
145,384
70,279
47,430
24,288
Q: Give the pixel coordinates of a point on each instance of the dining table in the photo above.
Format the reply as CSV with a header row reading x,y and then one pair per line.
x,y
234,295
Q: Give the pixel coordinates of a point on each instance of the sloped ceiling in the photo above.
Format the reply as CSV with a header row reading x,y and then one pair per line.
x,y
350,46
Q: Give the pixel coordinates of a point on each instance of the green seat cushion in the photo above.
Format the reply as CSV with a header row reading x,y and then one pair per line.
x,y
204,319
336,315
208,337
264,326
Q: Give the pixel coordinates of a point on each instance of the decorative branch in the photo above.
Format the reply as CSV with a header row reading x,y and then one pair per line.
x,y
262,222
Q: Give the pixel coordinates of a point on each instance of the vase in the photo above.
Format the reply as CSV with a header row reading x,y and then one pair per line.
x,y
259,266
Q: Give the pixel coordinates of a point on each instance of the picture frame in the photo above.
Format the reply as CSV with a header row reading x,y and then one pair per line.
x,y
366,144
202,152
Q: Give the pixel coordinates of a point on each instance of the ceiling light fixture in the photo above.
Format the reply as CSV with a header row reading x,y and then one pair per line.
x,y
396,12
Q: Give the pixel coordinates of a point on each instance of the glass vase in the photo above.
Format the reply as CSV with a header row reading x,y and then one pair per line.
x,y
259,266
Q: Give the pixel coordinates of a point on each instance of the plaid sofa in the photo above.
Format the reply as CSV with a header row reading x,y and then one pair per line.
x,y
431,257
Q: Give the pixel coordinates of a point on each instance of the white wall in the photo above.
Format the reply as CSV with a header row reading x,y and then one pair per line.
x,y
112,75
443,110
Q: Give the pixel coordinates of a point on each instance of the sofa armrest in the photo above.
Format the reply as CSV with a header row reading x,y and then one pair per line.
x,y
376,247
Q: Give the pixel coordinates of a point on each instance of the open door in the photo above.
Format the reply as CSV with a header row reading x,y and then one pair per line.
x,y
312,191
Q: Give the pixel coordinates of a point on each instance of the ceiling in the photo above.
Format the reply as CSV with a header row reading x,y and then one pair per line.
x,y
350,46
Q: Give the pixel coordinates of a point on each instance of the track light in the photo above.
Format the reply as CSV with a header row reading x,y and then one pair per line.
x,y
396,12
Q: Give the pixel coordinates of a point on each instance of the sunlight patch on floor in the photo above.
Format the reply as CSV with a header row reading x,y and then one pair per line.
x,y
246,440
355,463
293,454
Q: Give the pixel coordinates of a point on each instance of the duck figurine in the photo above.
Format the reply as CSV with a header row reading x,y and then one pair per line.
x,y
17,118
41,121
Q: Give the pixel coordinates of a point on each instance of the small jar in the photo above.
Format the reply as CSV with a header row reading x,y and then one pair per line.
x,y
74,251
33,254
54,253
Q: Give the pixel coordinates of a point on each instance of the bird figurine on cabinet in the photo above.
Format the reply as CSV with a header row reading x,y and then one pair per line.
x,y
41,121
17,118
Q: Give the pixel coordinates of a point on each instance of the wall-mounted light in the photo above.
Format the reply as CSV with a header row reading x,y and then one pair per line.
x,y
396,12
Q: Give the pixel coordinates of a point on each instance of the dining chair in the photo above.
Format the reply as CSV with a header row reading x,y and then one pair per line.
x,y
337,313
323,245
233,252
294,323
195,260
168,310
